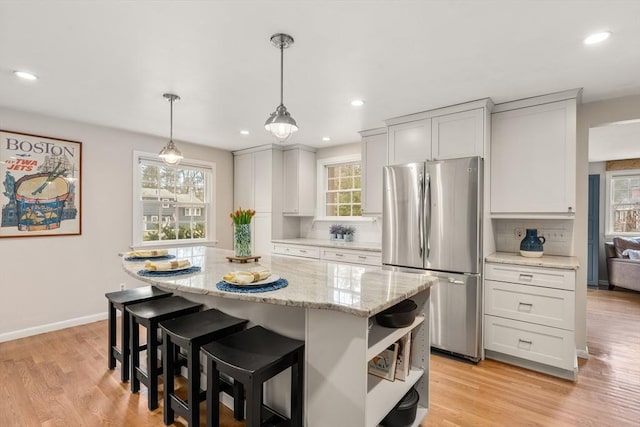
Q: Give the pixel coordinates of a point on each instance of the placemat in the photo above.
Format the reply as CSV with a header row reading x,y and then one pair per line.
x,y
155,273
157,258
278,284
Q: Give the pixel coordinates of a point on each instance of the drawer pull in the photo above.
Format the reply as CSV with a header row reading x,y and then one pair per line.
x,y
521,341
339,254
526,306
286,249
304,251
526,276
455,281
362,257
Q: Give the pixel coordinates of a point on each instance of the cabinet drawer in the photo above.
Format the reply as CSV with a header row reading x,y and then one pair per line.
x,y
551,346
297,250
352,257
544,306
538,276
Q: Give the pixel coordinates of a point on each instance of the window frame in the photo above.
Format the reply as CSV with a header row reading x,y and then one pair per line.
x,y
138,225
610,176
321,175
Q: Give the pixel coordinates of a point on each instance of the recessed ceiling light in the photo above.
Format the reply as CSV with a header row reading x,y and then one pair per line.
x,y
244,132
326,139
357,102
25,75
597,37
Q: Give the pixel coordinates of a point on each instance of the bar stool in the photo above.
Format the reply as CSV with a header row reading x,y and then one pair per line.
x,y
119,301
251,357
190,333
150,314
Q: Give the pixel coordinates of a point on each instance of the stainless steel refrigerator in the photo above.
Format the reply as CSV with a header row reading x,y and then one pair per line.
x,y
431,224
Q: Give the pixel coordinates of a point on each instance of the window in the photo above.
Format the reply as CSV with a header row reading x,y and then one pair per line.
x,y
623,201
172,204
340,187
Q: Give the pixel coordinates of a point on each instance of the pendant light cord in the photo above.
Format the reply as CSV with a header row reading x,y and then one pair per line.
x,y
281,73
171,120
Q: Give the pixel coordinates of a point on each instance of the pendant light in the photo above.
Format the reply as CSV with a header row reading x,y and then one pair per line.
x,y
280,123
170,153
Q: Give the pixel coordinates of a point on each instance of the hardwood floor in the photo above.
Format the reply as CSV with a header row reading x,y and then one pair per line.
x,y
61,379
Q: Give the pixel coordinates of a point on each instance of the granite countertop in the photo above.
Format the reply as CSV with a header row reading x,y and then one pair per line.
x,y
359,290
326,243
550,261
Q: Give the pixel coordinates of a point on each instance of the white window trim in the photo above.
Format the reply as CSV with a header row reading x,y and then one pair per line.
x,y
321,165
609,233
137,226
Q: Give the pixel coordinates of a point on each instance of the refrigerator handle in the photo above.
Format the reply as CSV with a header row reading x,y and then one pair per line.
x,y
427,208
421,213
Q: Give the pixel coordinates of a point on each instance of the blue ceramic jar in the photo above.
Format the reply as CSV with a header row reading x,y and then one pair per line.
x,y
531,245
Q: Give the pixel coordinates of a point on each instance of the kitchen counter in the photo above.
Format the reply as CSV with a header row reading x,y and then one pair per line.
x,y
549,261
327,243
328,305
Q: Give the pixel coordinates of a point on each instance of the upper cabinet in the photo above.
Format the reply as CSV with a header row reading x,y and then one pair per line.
x,y
243,181
410,142
374,158
533,157
458,135
299,189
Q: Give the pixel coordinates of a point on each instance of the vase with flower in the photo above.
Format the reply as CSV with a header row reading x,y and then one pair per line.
x,y
242,231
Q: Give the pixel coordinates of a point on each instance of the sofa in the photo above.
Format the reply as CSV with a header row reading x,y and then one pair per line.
x,y
623,263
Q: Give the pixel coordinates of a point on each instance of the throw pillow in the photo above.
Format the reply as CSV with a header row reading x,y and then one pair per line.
x,y
621,244
632,254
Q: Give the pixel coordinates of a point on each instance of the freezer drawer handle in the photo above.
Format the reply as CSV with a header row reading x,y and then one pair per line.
x,y
529,343
525,305
526,276
457,282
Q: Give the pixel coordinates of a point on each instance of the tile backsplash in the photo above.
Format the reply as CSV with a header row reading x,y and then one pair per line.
x,y
557,232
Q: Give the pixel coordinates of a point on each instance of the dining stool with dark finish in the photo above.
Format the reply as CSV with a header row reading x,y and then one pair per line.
x,y
119,300
190,333
252,357
150,314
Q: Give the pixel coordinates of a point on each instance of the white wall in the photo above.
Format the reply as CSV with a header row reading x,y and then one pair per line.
x,y
54,282
367,230
590,115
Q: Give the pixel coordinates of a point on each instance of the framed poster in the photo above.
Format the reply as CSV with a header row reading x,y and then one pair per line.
x,y
41,178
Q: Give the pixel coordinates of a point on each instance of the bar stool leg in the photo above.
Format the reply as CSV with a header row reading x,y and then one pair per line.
x,y
152,364
125,347
134,345
193,392
168,354
213,394
254,403
111,360
297,390
238,400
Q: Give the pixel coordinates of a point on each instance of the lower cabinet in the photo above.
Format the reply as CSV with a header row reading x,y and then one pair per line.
x,y
316,252
530,317
296,250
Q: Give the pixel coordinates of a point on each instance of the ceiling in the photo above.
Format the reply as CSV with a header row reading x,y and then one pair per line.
x,y
109,62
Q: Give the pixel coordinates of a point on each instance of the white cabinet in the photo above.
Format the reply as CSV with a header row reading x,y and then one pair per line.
x,y
533,157
243,182
410,142
261,233
458,135
296,250
299,187
530,317
374,158
351,256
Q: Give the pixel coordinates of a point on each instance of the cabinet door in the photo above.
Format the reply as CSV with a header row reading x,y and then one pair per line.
x,y
243,181
374,158
261,234
262,181
410,142
290,204
458,135
307,183
533,159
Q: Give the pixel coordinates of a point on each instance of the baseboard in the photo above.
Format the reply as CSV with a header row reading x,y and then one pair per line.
x,y
35,330
603,282
583,353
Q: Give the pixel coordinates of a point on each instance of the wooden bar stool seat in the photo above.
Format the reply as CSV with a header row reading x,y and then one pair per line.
x,y
150,314
252,357
190,333
119,301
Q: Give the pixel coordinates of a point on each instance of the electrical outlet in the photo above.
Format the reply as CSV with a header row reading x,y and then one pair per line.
x,y
518,233
123,286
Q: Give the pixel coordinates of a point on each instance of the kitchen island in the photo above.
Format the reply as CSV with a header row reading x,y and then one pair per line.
x,y
328,305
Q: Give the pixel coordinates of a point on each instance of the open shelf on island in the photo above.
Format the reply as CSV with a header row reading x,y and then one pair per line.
x,y
383,395
381,337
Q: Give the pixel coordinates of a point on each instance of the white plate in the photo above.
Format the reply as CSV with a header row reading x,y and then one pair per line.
x,y
171,269
271,279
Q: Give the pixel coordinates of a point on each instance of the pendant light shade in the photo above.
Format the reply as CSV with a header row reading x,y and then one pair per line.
x,y
280,123
170,153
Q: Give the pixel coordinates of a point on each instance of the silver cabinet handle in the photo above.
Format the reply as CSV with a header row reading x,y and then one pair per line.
x,y
455,281
362,257
339,254
525,305
526,276
520,340
304,251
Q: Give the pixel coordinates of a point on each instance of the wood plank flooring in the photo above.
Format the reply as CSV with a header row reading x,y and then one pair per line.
x,y
61,379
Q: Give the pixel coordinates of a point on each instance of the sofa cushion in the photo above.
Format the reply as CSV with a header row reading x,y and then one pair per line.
x,y
632,254
621,244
